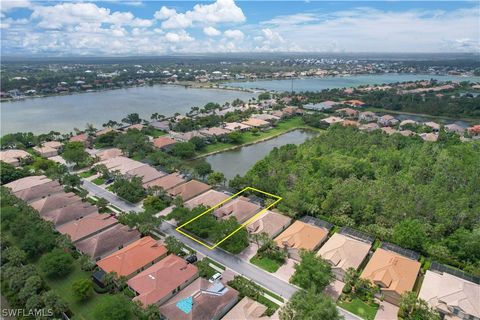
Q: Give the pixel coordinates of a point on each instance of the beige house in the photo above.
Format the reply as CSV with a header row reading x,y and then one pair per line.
x,y
271,223
393,273
236,126
14,156
208,199
247,309
240,208
301,235
344,252
451,296
45,151
258,123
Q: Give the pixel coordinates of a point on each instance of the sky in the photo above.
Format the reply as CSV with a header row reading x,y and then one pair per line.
x,y
139,28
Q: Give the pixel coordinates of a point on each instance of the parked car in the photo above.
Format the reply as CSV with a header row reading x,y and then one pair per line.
x,y
215,277
191,259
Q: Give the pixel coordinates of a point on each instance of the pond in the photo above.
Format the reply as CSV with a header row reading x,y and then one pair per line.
x,y
239,161
63,113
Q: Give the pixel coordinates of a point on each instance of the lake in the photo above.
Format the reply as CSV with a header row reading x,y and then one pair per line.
x,y
63,113
239,161
318,84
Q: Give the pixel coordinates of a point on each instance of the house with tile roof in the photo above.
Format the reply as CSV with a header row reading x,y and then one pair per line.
x,y
240,208
69,214
39,191
301,235
343,252
166,182
348,112
55,201
257,123
27,183
453,297
163,280
87,226
387,120
332,120
271,223
200,300
188,190
393,273
214,132
236,126
209,198
164,142
14,156
367,116
474,131
45,151
109,154
454,128
247,309
146,173
435,126
134,258
107,241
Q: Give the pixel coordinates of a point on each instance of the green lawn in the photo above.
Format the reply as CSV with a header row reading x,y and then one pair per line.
x,y
266,263
360,308
86,174
63,287
156,133
214,263
98,181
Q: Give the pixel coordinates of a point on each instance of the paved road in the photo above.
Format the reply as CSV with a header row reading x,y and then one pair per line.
x,y
112,198
240,266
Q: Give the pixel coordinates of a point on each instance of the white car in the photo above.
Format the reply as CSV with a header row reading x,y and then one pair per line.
x,y
215,277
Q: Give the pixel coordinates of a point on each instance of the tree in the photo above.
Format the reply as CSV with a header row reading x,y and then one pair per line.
x,y
312,272
183,150
56,263
129,189
309,305
264,96
74,152
202,168
115,307
132,118
82,289
102,204
71,181
133,142
53,302
173,245
9,173
412,308
154,204
246,288
33,285
235,137
216,178
199,143
410,233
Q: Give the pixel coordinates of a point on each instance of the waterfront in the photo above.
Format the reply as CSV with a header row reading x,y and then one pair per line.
x,y
63,113
240,160
318,84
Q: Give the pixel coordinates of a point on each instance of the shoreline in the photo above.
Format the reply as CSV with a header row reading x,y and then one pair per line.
x,y
253,142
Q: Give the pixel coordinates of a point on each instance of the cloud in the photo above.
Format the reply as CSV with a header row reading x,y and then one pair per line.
x,y
181,36
291,19
234,34
8,5
211,31
221,11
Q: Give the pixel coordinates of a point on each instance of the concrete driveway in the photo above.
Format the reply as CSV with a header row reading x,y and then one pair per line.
x,y
386,311
286,270
334,289
249,252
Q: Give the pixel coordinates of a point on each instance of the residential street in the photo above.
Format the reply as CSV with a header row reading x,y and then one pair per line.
x,y
240,266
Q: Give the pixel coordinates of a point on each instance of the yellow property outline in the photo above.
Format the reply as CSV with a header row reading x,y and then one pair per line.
x,y
236,230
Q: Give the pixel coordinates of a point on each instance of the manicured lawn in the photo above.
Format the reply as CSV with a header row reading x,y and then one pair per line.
x,y
214,263
156,133
98,181
266,263
63,287
86,174
360,308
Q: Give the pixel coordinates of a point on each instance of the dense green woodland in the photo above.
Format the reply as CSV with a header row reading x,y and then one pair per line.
x,y
423,196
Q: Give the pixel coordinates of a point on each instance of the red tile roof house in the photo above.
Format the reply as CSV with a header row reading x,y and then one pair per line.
x,y
134,258
55,201
107,241
163,280
189,190
87,226
474,131
241,209
164,143
68,214
201,300
208,199
166,182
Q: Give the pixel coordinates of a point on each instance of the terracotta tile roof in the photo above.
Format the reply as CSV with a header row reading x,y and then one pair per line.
x,y
88,225
475,129
233,126
271,223
207,199
107,241
332,120
53,144
388,130
133,257
166,182
121,164
445,292
27,183
432,137
214,132
207,300
79,138
407,133
13,156
240,208
55,201
454,128
350,123
301,235
265,116
189,189
348,111
104,131
432,125
256,122
137,126
162,142
68,214
247,309
39,191
158,281
392,271
408,121
109,153
185,136
46,151
344,252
